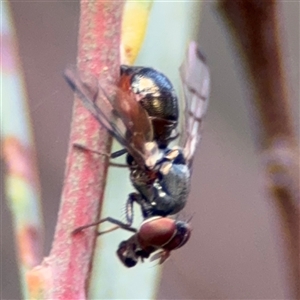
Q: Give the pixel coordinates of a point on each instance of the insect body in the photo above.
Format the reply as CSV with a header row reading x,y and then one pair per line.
x,y
155,93
143,121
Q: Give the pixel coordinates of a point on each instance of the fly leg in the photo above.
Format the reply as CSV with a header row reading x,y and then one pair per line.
x,y
118,153
133,197
111,155
118,224
129,218
146,207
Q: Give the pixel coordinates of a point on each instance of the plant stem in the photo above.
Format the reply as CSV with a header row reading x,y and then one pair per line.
x,y
65,273
22,187
255,26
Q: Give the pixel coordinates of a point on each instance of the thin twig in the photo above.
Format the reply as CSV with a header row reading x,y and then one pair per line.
x,y
22,185
65,273
255,25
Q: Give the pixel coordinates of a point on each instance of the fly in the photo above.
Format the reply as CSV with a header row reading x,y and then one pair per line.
x,y
159,173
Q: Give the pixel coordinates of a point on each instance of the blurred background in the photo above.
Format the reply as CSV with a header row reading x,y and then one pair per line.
x,y
234,252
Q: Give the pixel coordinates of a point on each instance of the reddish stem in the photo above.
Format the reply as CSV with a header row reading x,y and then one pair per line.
x,y
65,274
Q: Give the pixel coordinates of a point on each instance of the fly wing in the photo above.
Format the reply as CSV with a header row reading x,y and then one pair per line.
x,y
123,117
196,85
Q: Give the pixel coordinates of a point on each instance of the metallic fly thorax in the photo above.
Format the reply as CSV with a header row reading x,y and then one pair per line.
x,y
156,94
173,189
165,189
